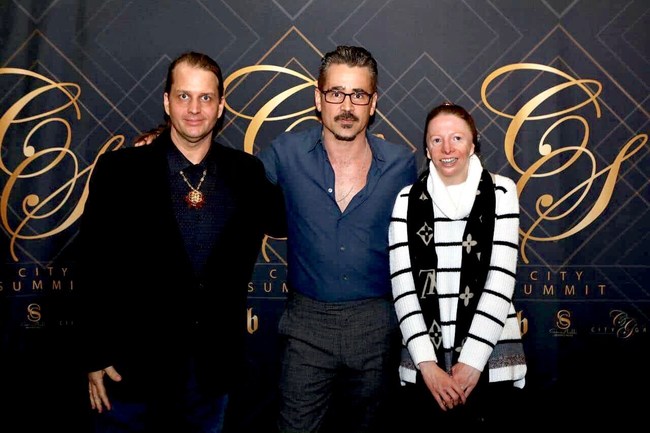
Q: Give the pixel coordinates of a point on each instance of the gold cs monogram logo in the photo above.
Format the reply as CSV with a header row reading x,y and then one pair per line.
x,y
42,166
563,319
547,207
264,113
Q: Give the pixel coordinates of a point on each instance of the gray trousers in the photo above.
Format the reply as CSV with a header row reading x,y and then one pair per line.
x,y
339,365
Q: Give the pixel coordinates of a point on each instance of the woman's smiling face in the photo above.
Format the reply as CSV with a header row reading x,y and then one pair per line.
x,y
449,146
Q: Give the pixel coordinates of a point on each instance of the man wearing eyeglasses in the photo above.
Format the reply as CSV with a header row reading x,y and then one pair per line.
x,y
339,331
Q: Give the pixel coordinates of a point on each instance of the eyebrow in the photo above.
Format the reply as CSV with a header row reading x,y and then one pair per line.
x,y
194,93
356,90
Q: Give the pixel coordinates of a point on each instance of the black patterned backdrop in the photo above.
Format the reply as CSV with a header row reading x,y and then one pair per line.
x,y
559,90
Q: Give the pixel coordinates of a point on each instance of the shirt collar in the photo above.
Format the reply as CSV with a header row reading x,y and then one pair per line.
x,y
177,161
372,141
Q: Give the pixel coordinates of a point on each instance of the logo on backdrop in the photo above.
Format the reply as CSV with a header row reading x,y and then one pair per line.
x,y
270,282
621,325
563,325
523,323
556,218
33,316
564,284
28,211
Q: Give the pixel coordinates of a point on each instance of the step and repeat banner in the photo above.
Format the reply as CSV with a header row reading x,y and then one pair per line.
x,y
560,94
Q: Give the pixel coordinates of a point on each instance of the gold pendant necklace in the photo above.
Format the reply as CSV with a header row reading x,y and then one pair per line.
x,y
195,198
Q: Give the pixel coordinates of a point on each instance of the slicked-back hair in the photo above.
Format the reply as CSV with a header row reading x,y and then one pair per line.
x,y
350,56
196,60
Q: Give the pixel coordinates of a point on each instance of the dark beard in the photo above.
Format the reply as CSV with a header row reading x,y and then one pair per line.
x,y
342,138
346,115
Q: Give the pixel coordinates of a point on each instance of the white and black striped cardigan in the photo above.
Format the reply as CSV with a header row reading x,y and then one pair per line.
x,y
495,319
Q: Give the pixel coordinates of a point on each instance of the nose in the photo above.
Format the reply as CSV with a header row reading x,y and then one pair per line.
x,y
194,106
347,102
446,146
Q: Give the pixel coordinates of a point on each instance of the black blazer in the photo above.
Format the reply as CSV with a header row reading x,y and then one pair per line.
x,y
143,309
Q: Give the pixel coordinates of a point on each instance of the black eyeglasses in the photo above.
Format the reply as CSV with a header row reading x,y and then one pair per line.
x,y
337,97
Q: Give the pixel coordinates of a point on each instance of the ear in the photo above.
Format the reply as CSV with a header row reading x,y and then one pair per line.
x,y
317,99
166,102
373,103
222,104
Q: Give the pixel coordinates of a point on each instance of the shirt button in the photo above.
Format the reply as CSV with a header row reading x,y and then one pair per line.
x,y
342,247
345,277
330,190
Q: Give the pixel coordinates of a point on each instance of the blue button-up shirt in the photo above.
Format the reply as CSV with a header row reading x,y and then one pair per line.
x,y
336,256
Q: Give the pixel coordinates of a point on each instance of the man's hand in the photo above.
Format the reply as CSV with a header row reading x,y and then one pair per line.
x,y
97,390
149,136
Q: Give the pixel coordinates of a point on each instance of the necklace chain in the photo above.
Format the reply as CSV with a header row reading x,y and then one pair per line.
x,y
341,199
195,198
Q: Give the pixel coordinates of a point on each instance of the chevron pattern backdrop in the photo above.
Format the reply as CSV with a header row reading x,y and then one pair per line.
x,y
559,91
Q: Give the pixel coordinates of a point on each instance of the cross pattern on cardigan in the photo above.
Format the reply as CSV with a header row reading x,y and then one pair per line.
x,y
494,338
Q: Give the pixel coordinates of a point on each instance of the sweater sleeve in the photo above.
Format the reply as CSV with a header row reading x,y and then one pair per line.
x,y
414,332
496,300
